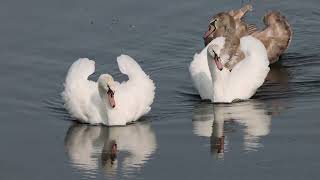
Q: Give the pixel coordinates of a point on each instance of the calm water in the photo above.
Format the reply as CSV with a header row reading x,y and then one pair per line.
x,y
274,136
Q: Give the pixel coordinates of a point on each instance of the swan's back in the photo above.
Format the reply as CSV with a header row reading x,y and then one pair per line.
x,y
249,74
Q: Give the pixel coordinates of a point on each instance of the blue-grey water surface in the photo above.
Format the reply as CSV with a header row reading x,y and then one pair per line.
x,y
276,135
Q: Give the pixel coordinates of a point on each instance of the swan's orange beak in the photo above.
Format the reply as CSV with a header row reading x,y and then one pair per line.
x,y
218,62
111,98
208,33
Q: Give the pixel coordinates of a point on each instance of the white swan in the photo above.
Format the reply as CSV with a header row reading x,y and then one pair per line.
x,y
218,84
89,147
107,102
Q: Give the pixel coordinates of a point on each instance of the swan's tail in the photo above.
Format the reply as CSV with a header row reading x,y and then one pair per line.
x,y
129,66
76,85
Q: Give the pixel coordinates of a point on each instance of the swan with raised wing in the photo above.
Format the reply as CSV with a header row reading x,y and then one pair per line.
x,y
107,101
276,36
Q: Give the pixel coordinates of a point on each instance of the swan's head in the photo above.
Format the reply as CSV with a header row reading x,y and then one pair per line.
x,y
106,87
213,52
221,24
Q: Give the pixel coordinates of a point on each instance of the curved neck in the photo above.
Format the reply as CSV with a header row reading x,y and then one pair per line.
x,y
104,97
219,81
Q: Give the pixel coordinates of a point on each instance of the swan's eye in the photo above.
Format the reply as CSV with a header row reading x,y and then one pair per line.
x,y
213,23
110,92
213,52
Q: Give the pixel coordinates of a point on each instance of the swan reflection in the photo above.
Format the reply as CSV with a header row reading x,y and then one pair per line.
x,y
216,121
113,149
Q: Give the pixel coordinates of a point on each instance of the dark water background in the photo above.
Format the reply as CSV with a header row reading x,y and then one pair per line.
x,y
274,136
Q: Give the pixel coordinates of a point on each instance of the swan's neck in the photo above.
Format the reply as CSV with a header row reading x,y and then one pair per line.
x,y
104,98
219,81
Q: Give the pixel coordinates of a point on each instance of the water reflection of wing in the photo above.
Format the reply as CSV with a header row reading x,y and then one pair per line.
x,y
79,143
116,148
209,121
203,118
253,116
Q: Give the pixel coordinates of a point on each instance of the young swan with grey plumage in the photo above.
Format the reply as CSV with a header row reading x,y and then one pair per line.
x,y
107,101
276,36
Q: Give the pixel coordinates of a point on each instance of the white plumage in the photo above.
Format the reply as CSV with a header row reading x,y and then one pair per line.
x,y
225,86
85,102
